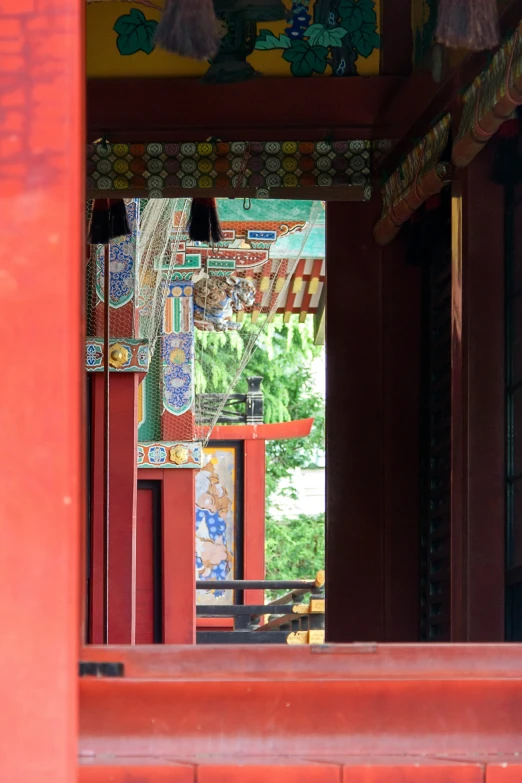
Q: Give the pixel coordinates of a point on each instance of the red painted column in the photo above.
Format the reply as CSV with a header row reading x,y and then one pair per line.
x,y
254,517
123,478
478,409
179,553
354,426
41,268
401,359
372,425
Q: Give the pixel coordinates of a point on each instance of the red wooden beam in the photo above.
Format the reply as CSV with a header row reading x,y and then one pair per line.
x,y
342,108
41,271
280,431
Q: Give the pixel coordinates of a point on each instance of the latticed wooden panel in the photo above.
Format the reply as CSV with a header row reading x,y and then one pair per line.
x,y
436,441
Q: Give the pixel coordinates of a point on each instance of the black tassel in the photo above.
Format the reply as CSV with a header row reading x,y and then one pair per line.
x,y
119,225
109,221
99,233
203,225
189,28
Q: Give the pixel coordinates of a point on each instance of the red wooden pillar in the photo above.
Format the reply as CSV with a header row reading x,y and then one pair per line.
x,y
354,426
254,517
41,267
478,425
401,379
123,478
372,370
179,552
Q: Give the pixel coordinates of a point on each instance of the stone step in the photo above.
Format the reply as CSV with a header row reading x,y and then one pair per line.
x,y
412,769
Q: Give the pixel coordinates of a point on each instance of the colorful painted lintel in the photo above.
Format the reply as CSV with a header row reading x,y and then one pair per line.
x,y
125,355
169,454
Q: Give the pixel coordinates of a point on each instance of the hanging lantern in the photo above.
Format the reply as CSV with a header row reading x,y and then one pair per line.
x,y
251,10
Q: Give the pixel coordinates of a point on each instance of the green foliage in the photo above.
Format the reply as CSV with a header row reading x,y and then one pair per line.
x,y
295,548
351,33
319,35
284,357
267,40
306,59
135,33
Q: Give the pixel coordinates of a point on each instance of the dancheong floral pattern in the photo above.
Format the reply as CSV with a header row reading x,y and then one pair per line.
x,y
161,170
122,261
177,353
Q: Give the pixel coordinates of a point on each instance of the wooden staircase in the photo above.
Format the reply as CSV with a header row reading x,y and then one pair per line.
x,y
359,713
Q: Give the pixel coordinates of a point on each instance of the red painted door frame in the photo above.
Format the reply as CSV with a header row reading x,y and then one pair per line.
x,y
42,150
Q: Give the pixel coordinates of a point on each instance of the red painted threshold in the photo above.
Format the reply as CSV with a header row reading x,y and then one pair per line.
x,y
184,702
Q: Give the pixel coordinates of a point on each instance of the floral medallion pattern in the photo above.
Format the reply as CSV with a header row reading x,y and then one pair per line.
x,y
160,170
169,454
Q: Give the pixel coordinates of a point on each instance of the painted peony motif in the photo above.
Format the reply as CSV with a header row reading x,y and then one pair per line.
x,y
213,506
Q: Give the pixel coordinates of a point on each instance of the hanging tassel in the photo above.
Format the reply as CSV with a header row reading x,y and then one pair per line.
x,y
118,223
100,233
468,24
189,28
108,221
203,224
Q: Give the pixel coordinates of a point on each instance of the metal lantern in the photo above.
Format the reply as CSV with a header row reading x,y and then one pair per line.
x,y
251,10
230,64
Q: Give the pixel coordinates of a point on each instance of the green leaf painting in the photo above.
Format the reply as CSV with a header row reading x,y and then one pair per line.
x,y
319,35
366,40
305,59
267,40
310,47
135,33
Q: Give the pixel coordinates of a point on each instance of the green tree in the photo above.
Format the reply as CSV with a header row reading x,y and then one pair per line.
x,y
284,357
295,548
